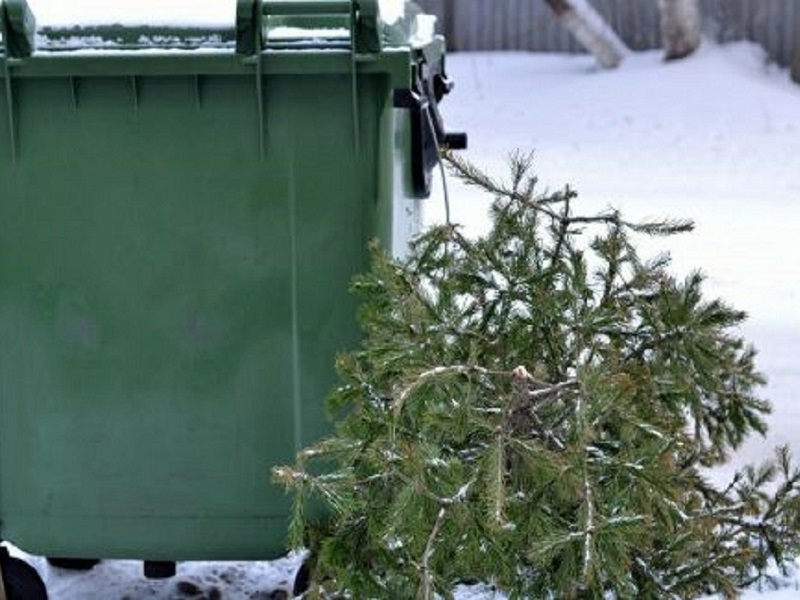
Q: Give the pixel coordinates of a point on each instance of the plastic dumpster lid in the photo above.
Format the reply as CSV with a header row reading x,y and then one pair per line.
x,y
179,14
371,24
175,13
365,26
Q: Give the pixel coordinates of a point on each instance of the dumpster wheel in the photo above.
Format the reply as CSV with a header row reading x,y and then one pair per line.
x,y
72,564
302,580
20,580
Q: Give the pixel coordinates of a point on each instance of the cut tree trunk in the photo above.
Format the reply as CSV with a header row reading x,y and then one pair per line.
x,y
680,27
591,30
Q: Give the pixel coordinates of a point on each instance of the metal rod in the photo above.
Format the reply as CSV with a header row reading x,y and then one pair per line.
x,y
354,83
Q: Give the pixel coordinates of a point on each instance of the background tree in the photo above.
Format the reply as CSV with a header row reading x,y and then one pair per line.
x,y
680,27
796,48
591,30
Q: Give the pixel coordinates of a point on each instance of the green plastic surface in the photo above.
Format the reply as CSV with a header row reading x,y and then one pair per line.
x,y
177,237
18,27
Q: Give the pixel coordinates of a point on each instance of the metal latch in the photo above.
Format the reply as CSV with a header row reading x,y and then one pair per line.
x,y
428,135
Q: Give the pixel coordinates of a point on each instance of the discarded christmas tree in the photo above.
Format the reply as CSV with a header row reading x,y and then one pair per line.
x,y
534,409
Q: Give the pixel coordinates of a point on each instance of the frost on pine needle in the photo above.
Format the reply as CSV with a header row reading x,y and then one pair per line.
x,y
535,409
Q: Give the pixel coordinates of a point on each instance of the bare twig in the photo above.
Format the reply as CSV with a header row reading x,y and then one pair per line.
x,y
425,376
553,389
518,375
428,588
588,539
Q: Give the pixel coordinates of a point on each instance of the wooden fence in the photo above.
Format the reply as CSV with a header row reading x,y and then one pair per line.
x,y
530,24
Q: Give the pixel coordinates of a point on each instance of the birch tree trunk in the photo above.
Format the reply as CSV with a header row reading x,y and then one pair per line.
x,y
591,30
680,27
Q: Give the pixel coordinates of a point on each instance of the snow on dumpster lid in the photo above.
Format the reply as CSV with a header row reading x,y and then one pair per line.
x,y
180,13
296,33
192,24
176,13
392,10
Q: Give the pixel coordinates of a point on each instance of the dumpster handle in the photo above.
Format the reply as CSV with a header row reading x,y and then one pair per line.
x,y
18,27
251,41
363,16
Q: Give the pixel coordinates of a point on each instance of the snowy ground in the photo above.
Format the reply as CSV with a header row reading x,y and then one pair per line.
x,y
715,138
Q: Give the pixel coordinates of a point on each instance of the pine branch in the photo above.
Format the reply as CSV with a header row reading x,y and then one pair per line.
x,y
576,473
471,175
655,578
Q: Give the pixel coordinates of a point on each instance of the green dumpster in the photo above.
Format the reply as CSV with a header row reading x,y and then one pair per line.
x,y
181,212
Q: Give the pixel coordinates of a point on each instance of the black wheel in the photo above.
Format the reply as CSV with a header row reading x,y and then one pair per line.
x,y
302,580
73,564
22,581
